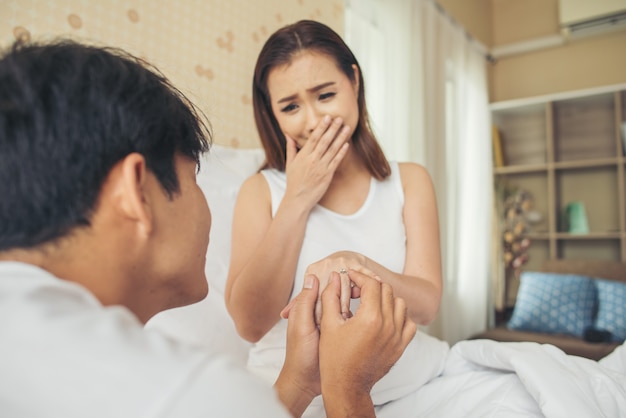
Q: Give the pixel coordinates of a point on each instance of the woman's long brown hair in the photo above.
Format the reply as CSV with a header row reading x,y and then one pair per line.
x,y
279,49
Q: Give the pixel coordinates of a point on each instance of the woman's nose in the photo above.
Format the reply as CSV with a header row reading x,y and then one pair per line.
x,y
313,118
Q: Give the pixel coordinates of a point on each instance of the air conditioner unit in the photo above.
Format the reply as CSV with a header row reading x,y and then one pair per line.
x,y
581,18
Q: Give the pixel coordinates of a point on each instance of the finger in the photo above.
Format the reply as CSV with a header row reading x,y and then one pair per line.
x,y
400,313
409,330
292,149
334,135
370,287
318,311
285,312
364,270
307,296
346,293
331,304
338,148
387,301
318,133
403,322
301,315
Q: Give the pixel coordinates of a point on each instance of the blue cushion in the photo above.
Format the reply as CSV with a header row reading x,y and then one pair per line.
x,y
611,308
554,303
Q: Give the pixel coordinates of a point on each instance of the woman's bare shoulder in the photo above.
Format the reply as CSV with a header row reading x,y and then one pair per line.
x,y
413,173
254,186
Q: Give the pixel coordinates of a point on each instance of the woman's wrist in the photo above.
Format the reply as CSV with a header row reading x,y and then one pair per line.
x,y
294,207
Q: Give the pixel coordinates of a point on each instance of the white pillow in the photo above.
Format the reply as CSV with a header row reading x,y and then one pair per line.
x,y
222,170
207,323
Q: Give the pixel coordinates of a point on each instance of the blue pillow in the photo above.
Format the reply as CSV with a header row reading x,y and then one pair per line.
x,y
611,308
554,303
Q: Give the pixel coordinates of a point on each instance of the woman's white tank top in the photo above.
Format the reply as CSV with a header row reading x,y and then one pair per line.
x,y
375,230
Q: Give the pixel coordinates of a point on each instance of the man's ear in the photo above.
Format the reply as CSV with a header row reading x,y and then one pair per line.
x,y
130,191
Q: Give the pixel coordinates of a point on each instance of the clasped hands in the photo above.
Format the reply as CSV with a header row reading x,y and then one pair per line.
x,y
341,262
344,357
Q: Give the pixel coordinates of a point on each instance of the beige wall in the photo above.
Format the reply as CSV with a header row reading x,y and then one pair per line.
x,y
206,47
514,21
474,15
592,62
575,65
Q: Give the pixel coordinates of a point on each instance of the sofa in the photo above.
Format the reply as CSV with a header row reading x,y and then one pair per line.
x,y
587,334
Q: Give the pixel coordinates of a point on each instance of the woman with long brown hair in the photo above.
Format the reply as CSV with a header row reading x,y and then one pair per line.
x,y
327,200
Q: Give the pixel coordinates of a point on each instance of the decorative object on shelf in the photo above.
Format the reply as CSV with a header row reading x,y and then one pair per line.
x,y
516,205
498,152
576,218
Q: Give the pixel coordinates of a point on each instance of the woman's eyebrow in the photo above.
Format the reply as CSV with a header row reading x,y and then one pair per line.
x,y
311,90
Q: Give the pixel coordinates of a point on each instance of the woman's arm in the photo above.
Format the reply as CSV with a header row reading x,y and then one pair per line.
x,y
265,249
421,283
263,261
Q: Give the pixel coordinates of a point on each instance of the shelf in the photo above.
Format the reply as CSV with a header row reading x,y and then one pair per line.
x,y
584,128
515,169
523,135
590,163
561,165
544,236
538,235
584,250
566,149
587,237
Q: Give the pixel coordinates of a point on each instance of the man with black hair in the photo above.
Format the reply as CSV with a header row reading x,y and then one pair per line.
x,y
102,225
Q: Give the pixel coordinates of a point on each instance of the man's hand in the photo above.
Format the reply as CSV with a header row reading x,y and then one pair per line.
x,y
340,262
346,356
299,379
357,352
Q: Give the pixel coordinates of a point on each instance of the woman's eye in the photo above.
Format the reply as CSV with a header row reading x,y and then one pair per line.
x,y
326,96
288,108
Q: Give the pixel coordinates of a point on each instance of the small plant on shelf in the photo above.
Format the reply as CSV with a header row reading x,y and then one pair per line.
x,y
515,205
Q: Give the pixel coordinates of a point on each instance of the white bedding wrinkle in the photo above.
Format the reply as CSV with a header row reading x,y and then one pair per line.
x,y
488,378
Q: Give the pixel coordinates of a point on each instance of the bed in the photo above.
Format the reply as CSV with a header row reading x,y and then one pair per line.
x,y
476,378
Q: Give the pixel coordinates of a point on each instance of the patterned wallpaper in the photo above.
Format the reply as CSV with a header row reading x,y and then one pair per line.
x,y
206,47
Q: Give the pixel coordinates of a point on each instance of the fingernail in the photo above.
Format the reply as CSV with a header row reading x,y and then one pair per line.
x,y
308,281
327,119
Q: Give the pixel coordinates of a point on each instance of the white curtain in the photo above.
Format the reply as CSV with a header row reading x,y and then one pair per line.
x,y
426,89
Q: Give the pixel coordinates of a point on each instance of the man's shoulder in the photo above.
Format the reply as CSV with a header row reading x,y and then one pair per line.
x,y
58,339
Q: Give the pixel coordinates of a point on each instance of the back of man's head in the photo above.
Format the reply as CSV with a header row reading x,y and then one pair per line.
x,y
68,113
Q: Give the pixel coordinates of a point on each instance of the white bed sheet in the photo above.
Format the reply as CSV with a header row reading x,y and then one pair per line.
x,y
484,378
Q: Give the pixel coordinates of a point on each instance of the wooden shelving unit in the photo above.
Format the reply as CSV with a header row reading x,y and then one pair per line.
x,y
565,148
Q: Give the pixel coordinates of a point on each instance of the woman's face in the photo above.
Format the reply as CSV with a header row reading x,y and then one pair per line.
x,y
308,88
